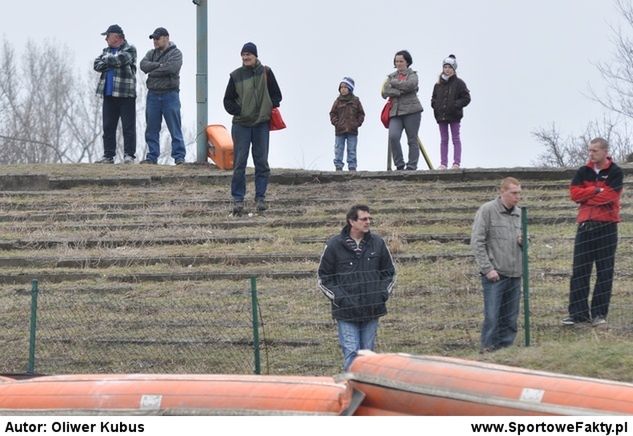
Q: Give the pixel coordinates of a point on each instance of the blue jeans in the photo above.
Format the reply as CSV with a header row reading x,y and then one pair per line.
x,y
354,336
163,105
339,149
501,310
243,137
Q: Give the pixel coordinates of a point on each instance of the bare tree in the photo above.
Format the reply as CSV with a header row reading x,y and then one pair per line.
x,y
572,150
48,113
617,99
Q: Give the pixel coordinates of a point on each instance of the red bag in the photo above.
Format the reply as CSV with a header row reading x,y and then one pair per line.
x,y
384,115
276,121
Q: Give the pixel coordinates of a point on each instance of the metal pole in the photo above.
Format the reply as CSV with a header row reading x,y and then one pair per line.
x,y
201,80
526,274
31,366
255,325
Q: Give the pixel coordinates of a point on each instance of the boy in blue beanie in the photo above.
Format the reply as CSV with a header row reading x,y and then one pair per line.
x,y
347,116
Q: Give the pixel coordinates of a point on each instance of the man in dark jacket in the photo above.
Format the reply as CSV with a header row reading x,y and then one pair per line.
x,y
596,188
357,274
250,96
162,66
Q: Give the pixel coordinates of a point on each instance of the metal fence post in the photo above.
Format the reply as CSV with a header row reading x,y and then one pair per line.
x,y
255,325
34,291
526,274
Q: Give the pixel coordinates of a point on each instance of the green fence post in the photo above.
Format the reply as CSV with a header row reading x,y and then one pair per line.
x,y
526,274
255,325
34,292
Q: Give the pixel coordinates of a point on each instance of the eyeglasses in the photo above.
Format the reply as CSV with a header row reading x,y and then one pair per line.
x,y
367,218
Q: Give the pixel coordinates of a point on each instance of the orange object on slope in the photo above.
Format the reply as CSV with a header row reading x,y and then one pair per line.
x,y
177,394
220,146
427,385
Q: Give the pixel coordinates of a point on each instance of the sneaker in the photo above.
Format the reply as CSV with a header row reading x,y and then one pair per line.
x,y
127,159
148,162
238,208
351,169
339,169
261,205
573,321
442,167
401,168
180,161
598,321
455,166
105,160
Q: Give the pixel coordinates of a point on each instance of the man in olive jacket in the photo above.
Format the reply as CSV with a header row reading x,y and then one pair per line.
x,y
250,96
357,274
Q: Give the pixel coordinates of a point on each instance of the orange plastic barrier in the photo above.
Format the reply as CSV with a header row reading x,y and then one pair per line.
x,y
426,385
180,394
220,146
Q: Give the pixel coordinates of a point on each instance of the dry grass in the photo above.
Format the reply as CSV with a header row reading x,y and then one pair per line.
x,y
189,324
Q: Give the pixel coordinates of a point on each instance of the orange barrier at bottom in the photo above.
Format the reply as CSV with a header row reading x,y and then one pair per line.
x,y
427,385
176,394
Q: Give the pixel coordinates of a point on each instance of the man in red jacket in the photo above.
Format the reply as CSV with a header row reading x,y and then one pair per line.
x,y
596,188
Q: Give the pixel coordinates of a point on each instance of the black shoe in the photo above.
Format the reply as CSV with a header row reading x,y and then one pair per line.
x,y
105,160
352,169
238,208
338,169
180,161
400,168
148,162
261,205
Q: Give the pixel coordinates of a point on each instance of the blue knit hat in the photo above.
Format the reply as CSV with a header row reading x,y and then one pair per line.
x,y
349,82
249,47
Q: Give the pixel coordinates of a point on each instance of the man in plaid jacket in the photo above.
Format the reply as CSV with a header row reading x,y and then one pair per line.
x,y
117,85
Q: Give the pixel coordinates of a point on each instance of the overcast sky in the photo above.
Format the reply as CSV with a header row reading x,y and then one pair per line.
x,y
527,64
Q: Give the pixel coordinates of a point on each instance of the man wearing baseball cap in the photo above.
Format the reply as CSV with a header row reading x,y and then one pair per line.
x,y
162,66
117,86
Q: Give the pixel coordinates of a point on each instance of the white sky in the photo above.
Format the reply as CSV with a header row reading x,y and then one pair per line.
x,y
527,64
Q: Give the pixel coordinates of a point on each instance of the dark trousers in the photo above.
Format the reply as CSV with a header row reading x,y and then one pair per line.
x,y
113,109
596,242
243,137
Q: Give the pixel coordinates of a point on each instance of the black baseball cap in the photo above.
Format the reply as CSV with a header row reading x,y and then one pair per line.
x,y
160,31
115,28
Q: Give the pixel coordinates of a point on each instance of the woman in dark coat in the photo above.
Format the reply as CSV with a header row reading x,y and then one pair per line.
x,y
450,96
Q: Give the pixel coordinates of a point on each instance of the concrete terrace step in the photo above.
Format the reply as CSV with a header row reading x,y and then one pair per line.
x,y
112,242
96,262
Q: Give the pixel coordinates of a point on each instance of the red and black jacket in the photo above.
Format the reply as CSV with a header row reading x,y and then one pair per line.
x,y
597,194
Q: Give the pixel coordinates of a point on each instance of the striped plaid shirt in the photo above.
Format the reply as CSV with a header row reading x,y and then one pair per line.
x,y
123,65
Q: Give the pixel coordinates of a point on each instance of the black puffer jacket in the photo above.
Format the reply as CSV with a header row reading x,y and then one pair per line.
x,y
358,285
449,99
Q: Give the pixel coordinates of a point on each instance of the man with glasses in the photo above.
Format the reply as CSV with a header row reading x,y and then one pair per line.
x,y
357,274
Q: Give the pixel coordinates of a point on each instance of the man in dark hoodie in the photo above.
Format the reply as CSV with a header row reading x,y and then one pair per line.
x,y
596,188
357,274
162,66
